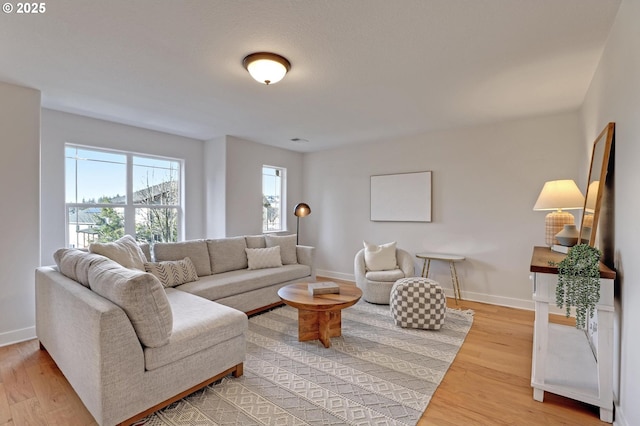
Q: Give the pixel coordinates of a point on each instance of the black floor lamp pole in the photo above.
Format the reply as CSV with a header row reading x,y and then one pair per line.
x,y
298,231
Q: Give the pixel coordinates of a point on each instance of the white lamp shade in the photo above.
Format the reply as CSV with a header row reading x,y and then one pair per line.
x,y
558,195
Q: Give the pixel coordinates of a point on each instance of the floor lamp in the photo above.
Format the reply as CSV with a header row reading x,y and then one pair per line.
x,y
301,210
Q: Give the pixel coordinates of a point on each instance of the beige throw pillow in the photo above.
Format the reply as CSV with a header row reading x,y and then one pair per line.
x,y
262,258
287,244
380,257
125,251
173,272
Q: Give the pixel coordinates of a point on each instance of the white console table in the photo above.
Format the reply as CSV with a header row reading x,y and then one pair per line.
x,y
577,364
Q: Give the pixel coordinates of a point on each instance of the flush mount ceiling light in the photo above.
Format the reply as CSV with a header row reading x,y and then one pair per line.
x,y
266,68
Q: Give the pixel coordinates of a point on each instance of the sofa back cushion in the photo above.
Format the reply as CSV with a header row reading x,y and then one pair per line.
x,y
255,241
146,250
125,251
287,245
227,254
140,295
75,264
196,250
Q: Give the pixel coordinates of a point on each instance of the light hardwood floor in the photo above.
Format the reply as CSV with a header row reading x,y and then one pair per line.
x,y
487,384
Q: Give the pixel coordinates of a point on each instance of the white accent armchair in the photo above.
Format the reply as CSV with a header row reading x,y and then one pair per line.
x,y
376,285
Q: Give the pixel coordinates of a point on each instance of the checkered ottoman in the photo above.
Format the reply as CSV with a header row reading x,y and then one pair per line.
x,y
418,302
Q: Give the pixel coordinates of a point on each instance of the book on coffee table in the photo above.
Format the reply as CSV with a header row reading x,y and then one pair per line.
x,y
323,288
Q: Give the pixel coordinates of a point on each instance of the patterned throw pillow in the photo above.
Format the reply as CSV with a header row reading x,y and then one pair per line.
x,y
173,272
262,258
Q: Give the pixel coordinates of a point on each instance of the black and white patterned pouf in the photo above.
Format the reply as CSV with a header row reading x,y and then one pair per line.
x,y
418,302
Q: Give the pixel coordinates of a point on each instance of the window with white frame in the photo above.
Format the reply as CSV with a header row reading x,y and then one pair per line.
x,y
273,198
112,193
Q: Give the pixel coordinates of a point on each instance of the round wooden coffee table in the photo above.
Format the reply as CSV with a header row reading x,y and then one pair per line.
x,y
319,316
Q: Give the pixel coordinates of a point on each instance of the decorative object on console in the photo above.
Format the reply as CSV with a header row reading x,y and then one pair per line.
x,y
300,210
266,68
568,236
579,282
557,195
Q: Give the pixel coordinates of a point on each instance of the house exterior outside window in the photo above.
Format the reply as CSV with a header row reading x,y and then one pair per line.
x,y
273,199
112,193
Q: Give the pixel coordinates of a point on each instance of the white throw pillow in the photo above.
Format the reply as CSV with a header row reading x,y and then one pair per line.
x,y
261,258
380,257
124,251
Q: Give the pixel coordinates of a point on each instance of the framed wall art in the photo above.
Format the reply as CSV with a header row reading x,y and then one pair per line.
x,y
402,197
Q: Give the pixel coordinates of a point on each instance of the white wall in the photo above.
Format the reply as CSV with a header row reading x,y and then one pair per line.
x,y
485,182
59,128
614,95
19,227
244,184
215,175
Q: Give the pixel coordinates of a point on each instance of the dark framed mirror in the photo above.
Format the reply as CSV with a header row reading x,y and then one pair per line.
x,y
595,185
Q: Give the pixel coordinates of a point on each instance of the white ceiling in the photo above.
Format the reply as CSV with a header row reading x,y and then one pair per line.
x,y
362,70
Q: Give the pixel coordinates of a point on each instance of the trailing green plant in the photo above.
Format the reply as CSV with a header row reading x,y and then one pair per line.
x,y
579,282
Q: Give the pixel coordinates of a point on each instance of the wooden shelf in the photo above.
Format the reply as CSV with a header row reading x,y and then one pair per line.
x,y
572,369
544,258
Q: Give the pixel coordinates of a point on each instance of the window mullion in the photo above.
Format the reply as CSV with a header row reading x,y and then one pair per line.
x,y
129,210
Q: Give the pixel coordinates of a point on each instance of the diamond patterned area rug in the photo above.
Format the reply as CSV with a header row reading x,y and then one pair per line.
x,y
376,373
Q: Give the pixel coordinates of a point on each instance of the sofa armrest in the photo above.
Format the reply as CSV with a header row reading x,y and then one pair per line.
x,y
359,269
405,263
307,256
91,340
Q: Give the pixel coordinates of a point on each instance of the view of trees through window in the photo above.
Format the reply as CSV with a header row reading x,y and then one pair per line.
x,y
109,194
272,198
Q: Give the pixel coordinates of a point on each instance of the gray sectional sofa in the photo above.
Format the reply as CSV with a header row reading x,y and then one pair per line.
x,y
134,336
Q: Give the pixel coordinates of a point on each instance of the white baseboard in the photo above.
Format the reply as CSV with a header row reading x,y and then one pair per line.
x,y
509,302
619,419
335,275
17,336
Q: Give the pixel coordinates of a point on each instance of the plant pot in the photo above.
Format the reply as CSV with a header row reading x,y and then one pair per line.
x,y
568,236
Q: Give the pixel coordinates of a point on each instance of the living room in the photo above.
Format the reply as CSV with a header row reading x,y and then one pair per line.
x,y
486,177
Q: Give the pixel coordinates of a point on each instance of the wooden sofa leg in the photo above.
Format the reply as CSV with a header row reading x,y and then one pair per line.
x,y
239,370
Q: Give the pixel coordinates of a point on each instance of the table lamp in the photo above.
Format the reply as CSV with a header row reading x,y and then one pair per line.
x,y
557,195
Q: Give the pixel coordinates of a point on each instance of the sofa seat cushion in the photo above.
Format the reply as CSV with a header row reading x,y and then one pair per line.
x,y
230,283
196,250
385,276
198,324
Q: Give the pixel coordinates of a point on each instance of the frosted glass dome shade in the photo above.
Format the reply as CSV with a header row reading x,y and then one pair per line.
x,y
266,68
